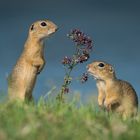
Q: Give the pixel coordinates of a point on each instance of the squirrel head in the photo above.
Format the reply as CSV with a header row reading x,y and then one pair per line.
x,y
101,70
42,29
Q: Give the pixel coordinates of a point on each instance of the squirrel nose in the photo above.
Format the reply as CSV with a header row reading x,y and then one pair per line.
x,y
56,28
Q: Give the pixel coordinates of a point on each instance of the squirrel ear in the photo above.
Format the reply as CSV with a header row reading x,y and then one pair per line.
x,y
111,69
32,27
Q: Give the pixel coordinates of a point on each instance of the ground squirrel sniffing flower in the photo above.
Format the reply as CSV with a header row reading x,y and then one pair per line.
x,y
115,95
31,62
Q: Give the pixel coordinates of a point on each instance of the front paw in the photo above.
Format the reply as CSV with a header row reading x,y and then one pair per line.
x,y
39,65
108,107
39,70
101,104
102,107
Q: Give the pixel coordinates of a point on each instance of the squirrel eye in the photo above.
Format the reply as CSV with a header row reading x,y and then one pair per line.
x,y
101,65
43,24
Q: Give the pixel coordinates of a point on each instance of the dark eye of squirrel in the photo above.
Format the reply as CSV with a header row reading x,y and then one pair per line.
x,y
43,24
101,65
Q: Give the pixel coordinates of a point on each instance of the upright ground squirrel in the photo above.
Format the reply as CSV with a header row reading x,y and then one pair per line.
x,y
31,62
113,94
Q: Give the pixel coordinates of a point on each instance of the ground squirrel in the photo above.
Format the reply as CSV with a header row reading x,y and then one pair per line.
x,y
31,62
113,94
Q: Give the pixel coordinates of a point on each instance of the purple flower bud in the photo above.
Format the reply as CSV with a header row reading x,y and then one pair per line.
x,y
83,58
66,60
86,52
80,38
84,77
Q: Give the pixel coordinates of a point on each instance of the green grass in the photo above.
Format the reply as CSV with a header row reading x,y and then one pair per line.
x,y
69,121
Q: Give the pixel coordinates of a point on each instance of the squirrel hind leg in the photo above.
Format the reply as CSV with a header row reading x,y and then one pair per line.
x,y
28,97
130,113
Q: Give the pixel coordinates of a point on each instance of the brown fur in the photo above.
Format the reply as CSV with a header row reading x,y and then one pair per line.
x,y
113,94
31,62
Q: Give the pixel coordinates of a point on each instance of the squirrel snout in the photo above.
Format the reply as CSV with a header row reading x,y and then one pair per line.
x,y
56,28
